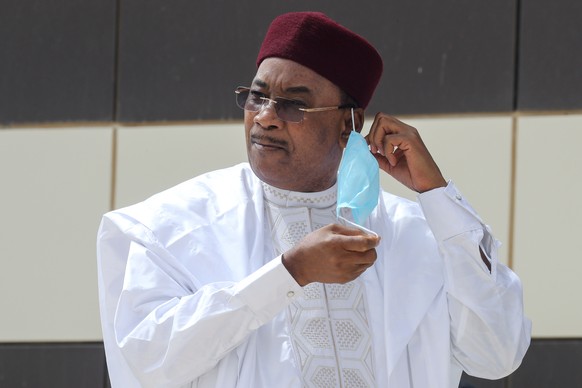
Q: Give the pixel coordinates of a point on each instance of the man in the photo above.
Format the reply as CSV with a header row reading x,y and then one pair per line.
x,y
244,277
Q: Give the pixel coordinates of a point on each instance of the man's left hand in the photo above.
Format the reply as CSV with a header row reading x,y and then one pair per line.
x,y
401,152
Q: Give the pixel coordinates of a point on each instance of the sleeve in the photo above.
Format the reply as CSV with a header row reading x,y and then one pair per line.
x,y
489,331
169,332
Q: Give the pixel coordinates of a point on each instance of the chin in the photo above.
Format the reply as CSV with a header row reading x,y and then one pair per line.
x,y
264,173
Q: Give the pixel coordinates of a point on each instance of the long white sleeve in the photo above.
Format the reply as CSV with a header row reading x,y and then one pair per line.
x,y
170,333
489,332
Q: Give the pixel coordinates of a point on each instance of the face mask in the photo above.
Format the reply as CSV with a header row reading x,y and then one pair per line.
x,y
358,180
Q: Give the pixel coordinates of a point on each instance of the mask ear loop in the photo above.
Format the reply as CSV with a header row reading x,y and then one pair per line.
x,y
341,218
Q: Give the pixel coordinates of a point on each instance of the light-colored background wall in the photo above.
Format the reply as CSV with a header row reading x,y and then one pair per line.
x,y
522,173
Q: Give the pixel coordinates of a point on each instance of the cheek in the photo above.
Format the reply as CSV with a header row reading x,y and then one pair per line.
x,y
248,119
324,148
248,124
328,138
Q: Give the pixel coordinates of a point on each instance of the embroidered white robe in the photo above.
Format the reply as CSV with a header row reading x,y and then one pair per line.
x,y
193,293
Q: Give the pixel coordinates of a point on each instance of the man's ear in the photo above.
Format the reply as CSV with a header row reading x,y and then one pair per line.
x,y
358,119
347,124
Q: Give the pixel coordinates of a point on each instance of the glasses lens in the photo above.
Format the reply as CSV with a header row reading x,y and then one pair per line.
x,y
288,110
242,95
247,100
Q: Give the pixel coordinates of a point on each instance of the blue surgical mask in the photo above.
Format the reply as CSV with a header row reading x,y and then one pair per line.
x,y
358,180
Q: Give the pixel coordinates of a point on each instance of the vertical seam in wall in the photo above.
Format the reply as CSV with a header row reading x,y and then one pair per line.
x,y
514,125
507,383
115,108
113,168
516,38
116,49
105,372
512,190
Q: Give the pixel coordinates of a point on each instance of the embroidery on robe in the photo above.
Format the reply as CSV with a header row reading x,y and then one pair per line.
x,y
329,327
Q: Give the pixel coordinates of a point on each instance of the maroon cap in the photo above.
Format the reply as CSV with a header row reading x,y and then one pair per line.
x,y
314,40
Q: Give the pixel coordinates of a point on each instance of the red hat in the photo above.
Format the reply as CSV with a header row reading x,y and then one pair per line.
x,y
314,40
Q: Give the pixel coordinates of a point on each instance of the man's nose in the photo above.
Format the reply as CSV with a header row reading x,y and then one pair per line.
x,y
267,103
265,114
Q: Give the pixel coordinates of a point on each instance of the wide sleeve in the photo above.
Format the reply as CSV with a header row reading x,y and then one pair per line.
x,y
489,331
167,327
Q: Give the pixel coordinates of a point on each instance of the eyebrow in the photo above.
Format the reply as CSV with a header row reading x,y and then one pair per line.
x,y
292,89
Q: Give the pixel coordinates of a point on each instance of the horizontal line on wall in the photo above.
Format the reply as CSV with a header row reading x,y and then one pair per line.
x,y
50,343
76,124
100,343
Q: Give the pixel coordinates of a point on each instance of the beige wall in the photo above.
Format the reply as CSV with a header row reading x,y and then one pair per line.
x,y
56,183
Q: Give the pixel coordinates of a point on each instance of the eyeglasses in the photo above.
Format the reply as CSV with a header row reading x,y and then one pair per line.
x,y
286,109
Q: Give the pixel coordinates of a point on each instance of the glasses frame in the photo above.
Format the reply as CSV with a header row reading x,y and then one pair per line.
x,y
267,101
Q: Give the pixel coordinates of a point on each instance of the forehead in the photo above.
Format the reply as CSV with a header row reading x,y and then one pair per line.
x,y
285,76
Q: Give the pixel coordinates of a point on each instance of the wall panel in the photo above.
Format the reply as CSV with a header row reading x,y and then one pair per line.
x,y
55,186
177,62
152,159
56,60
548,222
72,365
550,55
550,363
444,56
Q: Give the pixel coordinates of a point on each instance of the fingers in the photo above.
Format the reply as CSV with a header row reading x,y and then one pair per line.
x,y
394,157
363,243
348,266
354,240
389,137
358,249
400,152
332,254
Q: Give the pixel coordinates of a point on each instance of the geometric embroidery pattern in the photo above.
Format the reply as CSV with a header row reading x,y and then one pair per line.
x,y
329,328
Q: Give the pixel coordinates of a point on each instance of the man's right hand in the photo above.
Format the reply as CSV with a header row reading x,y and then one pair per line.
x,y
332,254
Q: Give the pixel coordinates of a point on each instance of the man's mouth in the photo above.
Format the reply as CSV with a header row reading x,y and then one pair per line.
x,y
268,143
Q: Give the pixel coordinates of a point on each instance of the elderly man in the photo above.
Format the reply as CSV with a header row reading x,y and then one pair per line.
x,y
245,277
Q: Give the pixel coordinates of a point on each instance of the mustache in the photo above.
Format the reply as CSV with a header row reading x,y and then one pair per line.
x,y
268,140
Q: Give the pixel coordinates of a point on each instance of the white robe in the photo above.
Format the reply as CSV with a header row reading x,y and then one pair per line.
x,y
192,294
